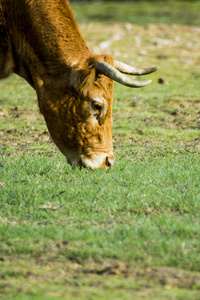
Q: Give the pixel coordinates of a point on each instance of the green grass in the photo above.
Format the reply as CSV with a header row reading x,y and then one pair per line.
x,y
135,203
132,231
139,12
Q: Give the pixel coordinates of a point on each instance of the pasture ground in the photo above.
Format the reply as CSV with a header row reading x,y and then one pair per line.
x,y
132,232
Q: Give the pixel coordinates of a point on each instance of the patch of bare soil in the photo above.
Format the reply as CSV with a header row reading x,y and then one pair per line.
x,y
50,269
173,277
24,114
26,136
164,276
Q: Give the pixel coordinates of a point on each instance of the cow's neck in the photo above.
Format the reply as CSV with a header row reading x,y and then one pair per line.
x,y
45,38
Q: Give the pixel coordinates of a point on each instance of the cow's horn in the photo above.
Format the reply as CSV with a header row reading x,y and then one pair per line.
x,y
114,74
126,69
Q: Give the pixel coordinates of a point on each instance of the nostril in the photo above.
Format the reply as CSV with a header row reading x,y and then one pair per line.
x,y
109,162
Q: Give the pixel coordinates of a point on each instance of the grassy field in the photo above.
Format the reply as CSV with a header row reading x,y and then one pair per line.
x,y
132,232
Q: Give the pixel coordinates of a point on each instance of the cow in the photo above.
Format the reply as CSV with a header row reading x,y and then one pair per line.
x,y
41,42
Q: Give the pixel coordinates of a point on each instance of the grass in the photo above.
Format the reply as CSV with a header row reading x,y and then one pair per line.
x,y
130,232
139,12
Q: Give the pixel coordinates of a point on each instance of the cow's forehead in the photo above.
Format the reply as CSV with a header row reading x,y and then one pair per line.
x,y
102,88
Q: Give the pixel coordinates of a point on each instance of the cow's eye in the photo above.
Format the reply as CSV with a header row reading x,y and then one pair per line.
x,y
97,108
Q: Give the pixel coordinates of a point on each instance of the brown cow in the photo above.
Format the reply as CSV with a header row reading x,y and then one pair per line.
x,y
40,41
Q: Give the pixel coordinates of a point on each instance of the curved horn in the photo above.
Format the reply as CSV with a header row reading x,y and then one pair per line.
x,y
126,69
114,74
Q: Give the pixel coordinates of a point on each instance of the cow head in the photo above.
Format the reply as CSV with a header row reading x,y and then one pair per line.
x,y
40,41
80,119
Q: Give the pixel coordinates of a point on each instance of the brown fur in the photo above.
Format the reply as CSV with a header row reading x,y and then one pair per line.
x,y
40,41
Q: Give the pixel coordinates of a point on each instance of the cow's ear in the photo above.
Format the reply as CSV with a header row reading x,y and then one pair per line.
x,y
82,80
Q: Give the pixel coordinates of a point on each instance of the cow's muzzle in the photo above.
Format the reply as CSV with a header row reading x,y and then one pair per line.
x,y
101,161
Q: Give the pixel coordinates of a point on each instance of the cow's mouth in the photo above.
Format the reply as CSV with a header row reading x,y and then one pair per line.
x,y
100,161
107,164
